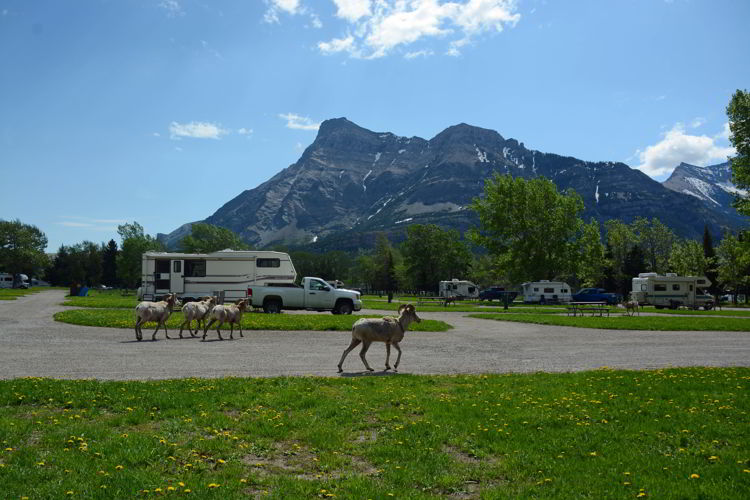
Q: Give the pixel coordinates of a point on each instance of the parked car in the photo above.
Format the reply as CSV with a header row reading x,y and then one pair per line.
x,y
597,295
497,293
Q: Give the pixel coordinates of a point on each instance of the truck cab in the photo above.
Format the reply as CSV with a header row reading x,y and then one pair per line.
x,y
314,294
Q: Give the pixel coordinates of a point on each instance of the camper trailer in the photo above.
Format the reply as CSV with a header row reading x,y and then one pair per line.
x,y
226,274
459,289
545,292
672,291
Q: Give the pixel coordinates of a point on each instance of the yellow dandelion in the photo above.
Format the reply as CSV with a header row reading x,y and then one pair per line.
x,y
187,490
694,476
181,484
640,495
593,453
243,480
119,467
70,492
221,461
214,485
157,490
713,457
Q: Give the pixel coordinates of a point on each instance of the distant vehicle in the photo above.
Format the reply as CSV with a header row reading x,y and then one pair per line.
x,y
497,293
460,289
38,282
672,291
17,281
546,292
596,295
314,294
227,273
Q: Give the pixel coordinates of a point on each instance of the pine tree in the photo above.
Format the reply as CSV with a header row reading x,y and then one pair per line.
x,y
708,251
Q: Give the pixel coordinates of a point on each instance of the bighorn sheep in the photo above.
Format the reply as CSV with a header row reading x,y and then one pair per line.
x,y
154,311
631,308
197,311
388,330
227,314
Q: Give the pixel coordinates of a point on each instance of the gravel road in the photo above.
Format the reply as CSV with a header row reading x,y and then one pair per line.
x,y
32,344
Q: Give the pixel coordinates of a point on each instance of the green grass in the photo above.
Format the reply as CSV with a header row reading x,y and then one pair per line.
x,y
689,312
100,299
123,318
14,293
659,323
393,306
678,433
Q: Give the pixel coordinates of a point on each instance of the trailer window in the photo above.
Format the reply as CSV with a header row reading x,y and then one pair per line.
x,y
195,268
549,290
660,287
676,287
268,263
177,266
536,289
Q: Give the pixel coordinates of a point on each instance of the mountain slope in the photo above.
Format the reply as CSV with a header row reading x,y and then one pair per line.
x,y
712,185
352,182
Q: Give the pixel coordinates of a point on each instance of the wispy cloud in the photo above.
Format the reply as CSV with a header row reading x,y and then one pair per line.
x,y
419,53
93,224
245,131
196,130
378,27
678,146
296,121
173,8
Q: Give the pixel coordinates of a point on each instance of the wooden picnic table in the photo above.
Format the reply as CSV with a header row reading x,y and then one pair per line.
x,y
581,308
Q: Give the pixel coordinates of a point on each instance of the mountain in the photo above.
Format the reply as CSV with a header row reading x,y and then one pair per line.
x,y
712,185
351,183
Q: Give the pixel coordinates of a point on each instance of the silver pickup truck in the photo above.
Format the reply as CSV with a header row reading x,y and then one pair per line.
x,y
314,294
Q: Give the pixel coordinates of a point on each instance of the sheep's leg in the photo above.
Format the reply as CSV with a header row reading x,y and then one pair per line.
x,y
231,331
166,333
352,345
398,359
158,324
219,331
365,347
239,323
182,325
387,355
138,334
206,327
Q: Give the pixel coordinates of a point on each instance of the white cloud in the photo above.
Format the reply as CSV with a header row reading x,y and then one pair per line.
x,y
419,53
381,26
299,122
316,22
245,131
352,10
156,134
275,6
697,122
677,146
90,223
196,130
172,7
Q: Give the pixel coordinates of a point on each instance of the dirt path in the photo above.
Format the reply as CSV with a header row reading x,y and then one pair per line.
x,y
33,344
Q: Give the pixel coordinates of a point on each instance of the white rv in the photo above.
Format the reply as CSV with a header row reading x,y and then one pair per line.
x,y
672,291
20,281
545,291
458,288
227,273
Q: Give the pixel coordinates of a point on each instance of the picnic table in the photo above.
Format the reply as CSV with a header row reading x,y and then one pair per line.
x,y
581,308
442,301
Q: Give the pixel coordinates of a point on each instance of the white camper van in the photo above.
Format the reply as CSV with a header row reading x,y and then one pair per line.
x,y
227,273
458,288
545,291
672,291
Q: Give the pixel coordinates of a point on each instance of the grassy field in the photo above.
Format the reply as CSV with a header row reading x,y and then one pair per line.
x,y
688,312
679,433
14,293
103,299
659,323
461,307
124,318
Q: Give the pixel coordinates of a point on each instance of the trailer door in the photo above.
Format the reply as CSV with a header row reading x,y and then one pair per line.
x,y
177,277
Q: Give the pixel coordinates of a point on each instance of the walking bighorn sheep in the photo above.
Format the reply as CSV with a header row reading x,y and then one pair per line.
x,y
388,330
227,314
197,311
154,311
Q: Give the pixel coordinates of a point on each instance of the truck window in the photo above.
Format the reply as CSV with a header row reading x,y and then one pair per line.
x,y
317,285
660,287
195,268
268,263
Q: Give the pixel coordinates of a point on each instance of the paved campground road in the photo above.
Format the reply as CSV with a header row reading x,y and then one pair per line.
x,y
33,344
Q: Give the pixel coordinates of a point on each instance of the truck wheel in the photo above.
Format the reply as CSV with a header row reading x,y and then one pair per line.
x,y
272,307
344,307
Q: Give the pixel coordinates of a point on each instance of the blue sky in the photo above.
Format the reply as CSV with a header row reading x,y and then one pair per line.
x,y
161,111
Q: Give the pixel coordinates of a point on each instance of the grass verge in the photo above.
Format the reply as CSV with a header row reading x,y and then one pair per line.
x,y
393,306
123,318
689,312
658,323
678,433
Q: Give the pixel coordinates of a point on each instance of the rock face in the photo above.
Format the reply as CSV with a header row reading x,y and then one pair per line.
x,y
351,183
712,185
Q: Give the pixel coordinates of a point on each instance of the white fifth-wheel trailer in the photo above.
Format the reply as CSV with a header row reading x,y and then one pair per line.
x,y
228,273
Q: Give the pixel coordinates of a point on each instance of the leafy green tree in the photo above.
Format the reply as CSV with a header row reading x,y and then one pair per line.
x,y
134,243
688,259
529,227
109,263
80,263
592,262
329,266
206,238
635,262
738,112
385,267
22,248
656,240
432,254
711,262
733,262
